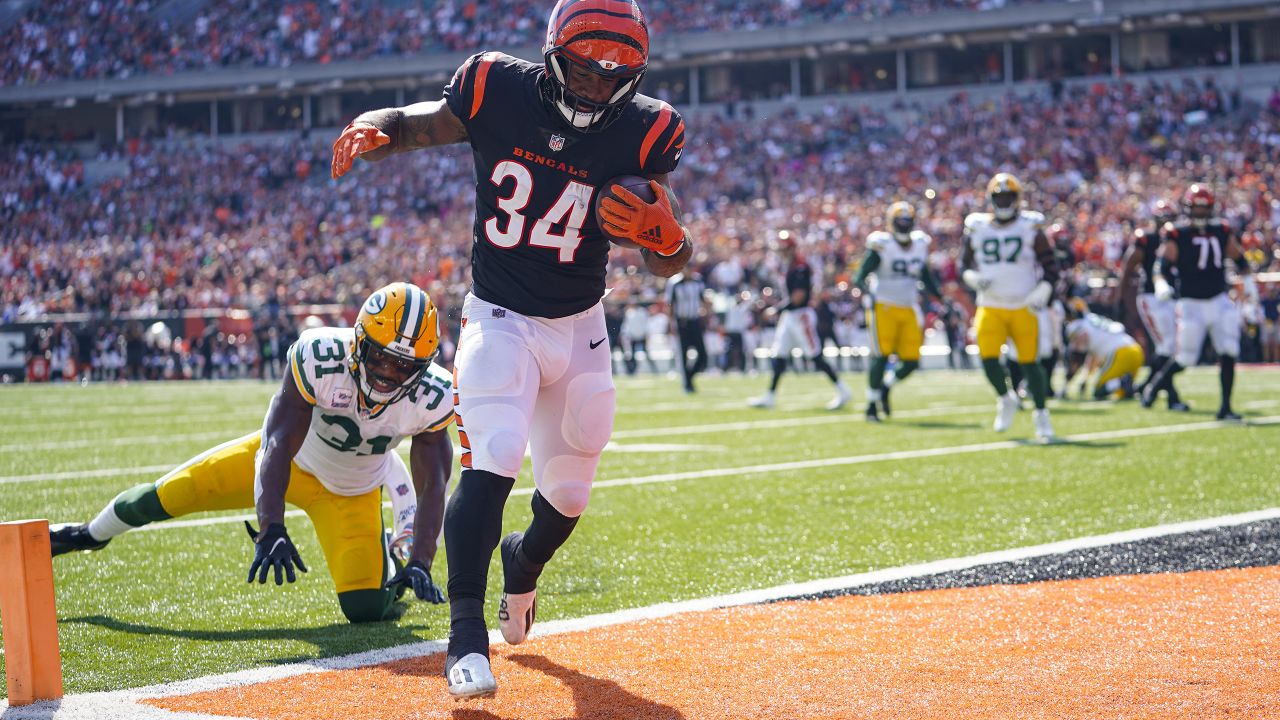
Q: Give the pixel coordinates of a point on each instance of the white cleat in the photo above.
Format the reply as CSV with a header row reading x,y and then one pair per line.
x,y
765,401
472,677
842,398
516,613
1044,430
1006,408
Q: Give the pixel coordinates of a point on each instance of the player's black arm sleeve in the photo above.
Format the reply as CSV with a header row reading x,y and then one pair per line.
x,y
869,264
412,127
1047,258
1167,260
966,255
286,427
1133,258
668,266
431,461
930,282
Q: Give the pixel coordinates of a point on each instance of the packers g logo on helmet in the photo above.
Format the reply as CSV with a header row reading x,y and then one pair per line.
x,y
901,219
397,337
608,38
1004,191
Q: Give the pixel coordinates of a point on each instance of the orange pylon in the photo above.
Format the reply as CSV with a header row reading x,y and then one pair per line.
x,y
33,664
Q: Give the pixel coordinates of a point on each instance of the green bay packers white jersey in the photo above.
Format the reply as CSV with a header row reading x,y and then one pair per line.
x,y
1005,254
896,280
1102,336
349,447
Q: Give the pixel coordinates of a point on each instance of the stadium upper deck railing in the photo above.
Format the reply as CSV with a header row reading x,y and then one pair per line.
x,y
672,49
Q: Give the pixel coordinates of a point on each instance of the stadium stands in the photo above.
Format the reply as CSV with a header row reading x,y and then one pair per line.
x,y
66,39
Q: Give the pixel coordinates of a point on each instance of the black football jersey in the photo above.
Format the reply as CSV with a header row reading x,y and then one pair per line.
x,y
536,246
1202,254
1149,243
799,277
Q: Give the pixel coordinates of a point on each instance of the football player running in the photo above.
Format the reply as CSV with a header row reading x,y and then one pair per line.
x,y
1009,262
897,263
1156,314
327,446
533,367
1102,343
1192,268
798,328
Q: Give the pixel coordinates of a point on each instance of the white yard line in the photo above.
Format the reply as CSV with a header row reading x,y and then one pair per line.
x,y
617,435
810,464
125,705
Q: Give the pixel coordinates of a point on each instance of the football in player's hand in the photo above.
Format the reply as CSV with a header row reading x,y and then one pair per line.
x,y
639,186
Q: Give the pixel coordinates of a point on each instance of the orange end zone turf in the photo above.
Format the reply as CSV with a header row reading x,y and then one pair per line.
x,y
33,664
1201,644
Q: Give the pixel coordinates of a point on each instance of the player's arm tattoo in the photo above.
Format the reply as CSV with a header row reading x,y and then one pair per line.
x,y
413,127
668,266
431,460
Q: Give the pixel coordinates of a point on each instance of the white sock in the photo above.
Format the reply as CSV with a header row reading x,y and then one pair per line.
x,y
873,395
108,525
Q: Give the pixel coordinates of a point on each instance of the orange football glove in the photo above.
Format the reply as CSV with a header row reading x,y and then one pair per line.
x,y
355,139
650,225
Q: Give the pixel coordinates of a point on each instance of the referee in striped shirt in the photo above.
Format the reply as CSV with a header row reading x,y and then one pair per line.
x,y
685,303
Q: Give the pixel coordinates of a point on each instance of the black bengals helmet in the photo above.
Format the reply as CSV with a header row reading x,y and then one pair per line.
x,y
606,38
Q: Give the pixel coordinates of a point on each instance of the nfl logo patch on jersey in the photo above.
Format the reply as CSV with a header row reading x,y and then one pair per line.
x,y
499,313
341,398
556,142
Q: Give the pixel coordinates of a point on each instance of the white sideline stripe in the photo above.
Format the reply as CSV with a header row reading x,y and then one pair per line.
x,y
808,464
122,704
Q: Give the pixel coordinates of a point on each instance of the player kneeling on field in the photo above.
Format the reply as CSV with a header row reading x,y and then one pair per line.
x,y
327,446
1105,345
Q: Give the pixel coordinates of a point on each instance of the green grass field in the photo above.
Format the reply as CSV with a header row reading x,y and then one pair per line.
x,y
172,603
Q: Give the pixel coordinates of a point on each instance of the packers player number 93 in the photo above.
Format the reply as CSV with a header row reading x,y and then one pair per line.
x,y
327,446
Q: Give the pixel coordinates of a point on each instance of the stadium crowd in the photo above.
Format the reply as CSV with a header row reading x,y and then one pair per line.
x,y
72,39
197,225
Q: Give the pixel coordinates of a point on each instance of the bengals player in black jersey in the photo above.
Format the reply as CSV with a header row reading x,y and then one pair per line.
x,y
530,367
1140,304
1192,268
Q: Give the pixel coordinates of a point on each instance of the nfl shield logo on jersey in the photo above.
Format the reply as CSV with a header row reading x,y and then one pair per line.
x,y
556,142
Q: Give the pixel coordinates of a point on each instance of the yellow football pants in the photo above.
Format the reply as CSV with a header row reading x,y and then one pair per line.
x,y
1124,361
349,528
995,325
895,330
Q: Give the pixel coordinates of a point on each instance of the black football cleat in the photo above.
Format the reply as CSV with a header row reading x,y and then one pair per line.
x,y
69,537
1226,414
1179,406
872,415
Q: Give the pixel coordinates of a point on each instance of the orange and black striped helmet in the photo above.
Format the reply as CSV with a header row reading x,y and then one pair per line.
x,y
607,38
